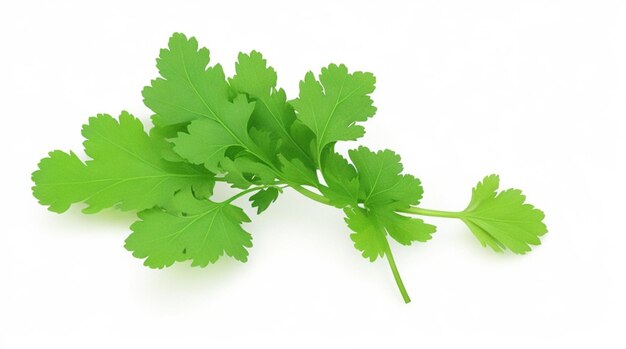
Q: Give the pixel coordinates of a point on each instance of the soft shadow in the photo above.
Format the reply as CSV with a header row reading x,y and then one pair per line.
x,y
190,282
73,219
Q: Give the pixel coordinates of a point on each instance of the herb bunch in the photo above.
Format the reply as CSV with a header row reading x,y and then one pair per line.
x,y
243,131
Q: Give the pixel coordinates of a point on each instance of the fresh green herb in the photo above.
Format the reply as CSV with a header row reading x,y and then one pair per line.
x,y
243,131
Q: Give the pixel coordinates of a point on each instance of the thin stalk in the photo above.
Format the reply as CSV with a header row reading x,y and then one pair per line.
x,y
250,190
324,200
396,274
242,193
412,210
392,263
311,195
432,213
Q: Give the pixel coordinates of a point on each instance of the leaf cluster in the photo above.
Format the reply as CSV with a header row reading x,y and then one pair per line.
x,y
242,130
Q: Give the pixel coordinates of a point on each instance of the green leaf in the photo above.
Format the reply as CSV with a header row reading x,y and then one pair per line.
x,y
502,220
381,184
202,232
331,106
264,198
126,170
168,152
199,148
244,172
272,112
255,78
403,229
342,183
296,172
372,226
187,90
370,237
268,146
369,233
190,92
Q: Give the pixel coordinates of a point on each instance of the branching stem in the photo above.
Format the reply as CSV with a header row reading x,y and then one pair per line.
x,y
388,254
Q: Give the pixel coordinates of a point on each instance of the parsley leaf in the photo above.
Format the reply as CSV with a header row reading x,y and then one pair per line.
x,y
502,220
369,233
331,106
264,198
198,149
342,182
244,172
271,113
380,180
295,171
126,170
371,226
370,229
190,92
403,229
199,230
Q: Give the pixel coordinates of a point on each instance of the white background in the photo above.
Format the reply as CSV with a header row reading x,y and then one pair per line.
x,y
532,90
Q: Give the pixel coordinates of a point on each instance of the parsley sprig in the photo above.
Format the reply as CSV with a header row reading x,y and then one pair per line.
x,y
243,131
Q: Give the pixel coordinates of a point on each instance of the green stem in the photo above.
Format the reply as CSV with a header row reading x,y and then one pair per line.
x,y
412,210
433,213
396,274
324,200
244,192
250,190
392,263
311,195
